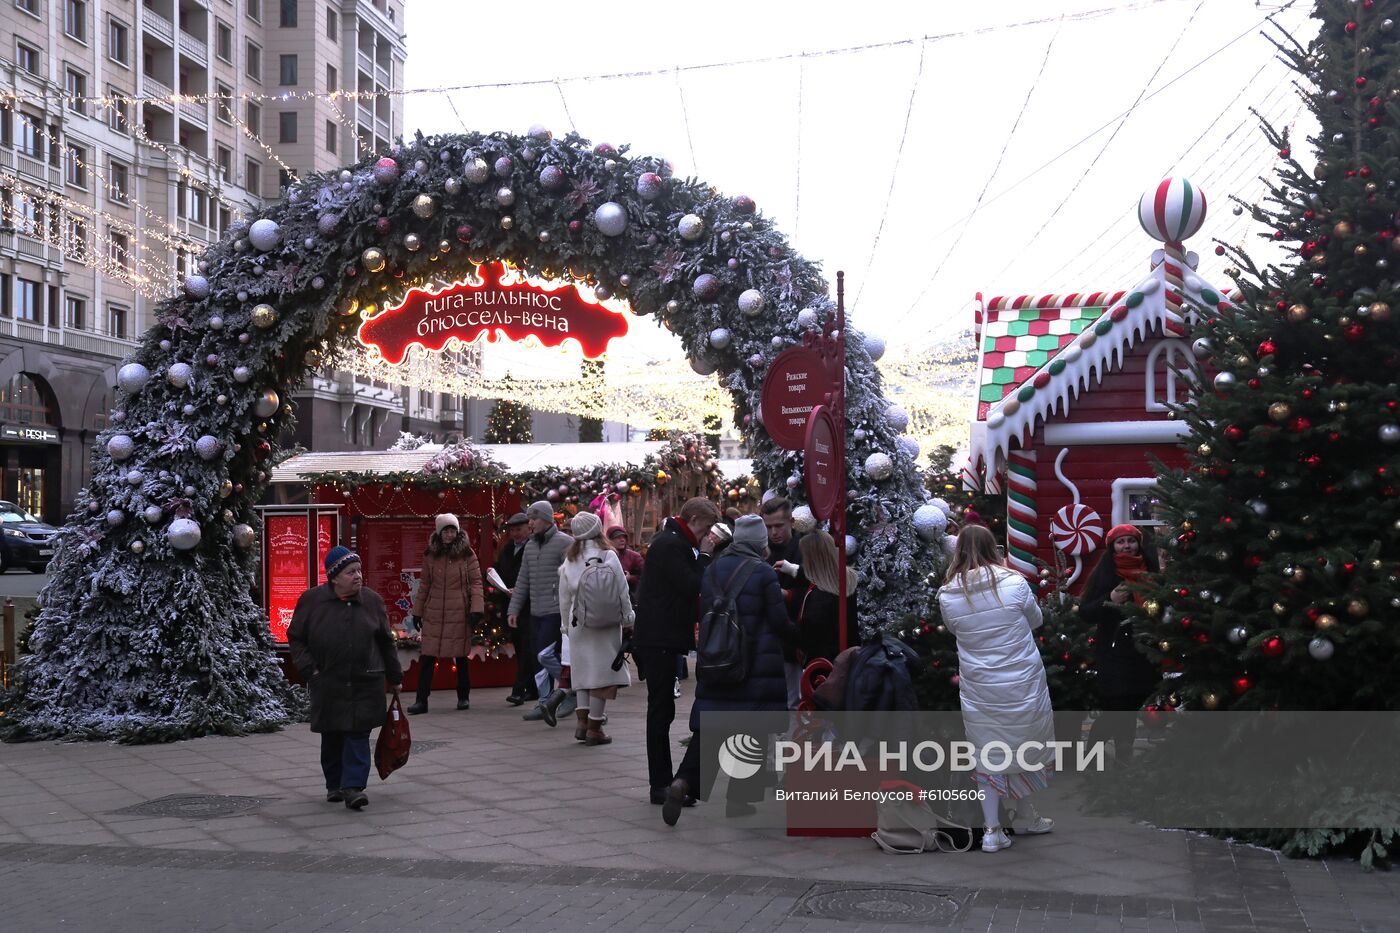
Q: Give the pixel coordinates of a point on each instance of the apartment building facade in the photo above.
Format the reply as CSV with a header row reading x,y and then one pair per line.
x,y
133,134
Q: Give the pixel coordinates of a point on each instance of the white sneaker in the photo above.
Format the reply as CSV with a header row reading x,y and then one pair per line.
x,y
677,691
1041,825
995,840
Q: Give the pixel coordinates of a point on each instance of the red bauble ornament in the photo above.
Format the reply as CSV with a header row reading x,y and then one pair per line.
x,y
1253,383
1219,250
1312,613
1225,520
954,680
382,225
575,226
1299,425
1283,305
1329,490
1202,639
1312,460
1348,567
1183,592
264,450
1278,234
1361,81
1272,647
1307,393
1267,348
1364,171
1319,282
1349,28
1255,561
1333,436
1241,686
1234,432
1353,332
1283,153
1373,122
464,233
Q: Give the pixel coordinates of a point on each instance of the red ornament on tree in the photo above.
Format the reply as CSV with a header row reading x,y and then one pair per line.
x,y
1361,81
1234,432
1299,425
1354,332
1273,647
1241,686
1267,348
1349,28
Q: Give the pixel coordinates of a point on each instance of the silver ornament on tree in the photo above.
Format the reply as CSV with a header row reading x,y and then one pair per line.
x,y
720,338
803,521
242,374
138,546
1224,381
267,403
179,374
216,323
691,227
1389,433
476,170
132,378
1238,635
1260,507
423,206
621,486
115,517
264,234
196,286
452,186
1201,347
152,514
412,242
875,346
807,318
879,466
610,218
327,224
898,418
135,478
121,447
243,535
1320,649
930,522
851,545
207,447
183,534
909,446
751,302
702,365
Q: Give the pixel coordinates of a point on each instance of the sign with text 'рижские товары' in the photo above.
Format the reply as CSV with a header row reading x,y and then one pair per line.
x,y
499,301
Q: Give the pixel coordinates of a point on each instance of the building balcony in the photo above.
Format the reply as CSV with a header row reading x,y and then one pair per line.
x,y
77,340
158,26
194,48
196,113
159,90
452,421
33,168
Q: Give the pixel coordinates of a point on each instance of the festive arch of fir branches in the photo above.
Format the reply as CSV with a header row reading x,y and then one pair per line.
x,y
147,642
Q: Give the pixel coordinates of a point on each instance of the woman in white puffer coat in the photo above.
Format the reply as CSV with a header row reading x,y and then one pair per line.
x,y
992,611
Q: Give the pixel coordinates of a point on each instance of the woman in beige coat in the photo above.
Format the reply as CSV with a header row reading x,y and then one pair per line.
x,y
447,607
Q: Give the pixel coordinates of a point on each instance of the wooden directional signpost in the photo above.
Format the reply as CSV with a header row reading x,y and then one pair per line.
x,y
804,408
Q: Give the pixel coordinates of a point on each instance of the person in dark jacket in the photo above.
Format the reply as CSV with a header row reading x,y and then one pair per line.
x,y
508,559
668,609
341,643
1125,677
768,633
818,618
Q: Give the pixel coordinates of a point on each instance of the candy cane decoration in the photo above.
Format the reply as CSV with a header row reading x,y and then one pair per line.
x,y
1076,529
1171,212
1020,512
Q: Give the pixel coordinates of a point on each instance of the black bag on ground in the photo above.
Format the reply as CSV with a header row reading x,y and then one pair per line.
x,y
722,655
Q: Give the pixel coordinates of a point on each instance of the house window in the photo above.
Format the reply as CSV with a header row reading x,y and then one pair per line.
x,y
287,126
289,14
223,107
27,58
120,253
118,110
75,19
1136,502
29,216
225,219
55,154
31,136
254,8
223,41
1163,380
118,185
26,300
253,62
197,206
332,78
74,312
77,91
116,321
75,172
252,118
330,135
223,155
29,6
332,25
287,70
253,177
75,244
118,42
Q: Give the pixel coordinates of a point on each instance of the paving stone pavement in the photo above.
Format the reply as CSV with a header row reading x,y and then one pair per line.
x,y
498,824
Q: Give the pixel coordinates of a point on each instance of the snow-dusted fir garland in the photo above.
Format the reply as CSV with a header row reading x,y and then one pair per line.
x,y
148,631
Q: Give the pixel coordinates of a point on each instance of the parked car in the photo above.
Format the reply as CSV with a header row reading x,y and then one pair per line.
x,y
25,541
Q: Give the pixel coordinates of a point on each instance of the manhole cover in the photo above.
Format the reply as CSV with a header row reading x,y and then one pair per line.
x,y
881,905
419,747
195,806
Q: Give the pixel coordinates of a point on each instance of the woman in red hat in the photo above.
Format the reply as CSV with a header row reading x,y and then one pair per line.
x,y
1125,677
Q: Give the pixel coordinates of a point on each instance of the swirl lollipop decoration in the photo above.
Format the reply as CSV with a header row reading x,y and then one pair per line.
x,y
1077,530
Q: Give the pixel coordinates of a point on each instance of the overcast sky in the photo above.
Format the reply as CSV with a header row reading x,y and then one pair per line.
x,y
874,161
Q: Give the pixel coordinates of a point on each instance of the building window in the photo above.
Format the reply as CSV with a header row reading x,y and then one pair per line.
x,y
287,68
31,136
1166,364
74,312
118,110
27,58
77,91
225,219
120,252
223,156
253,62
75,244
26,216
252,118
118,42
196,206
254,8
289,14
26,300
76,171
332,25
284,180
29,6
223,105
75,19
22,402
223,41
116,321
252,173
118,184
332,78
287,126
330,135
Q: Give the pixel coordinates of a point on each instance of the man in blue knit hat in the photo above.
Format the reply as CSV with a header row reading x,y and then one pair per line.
x,y
341,642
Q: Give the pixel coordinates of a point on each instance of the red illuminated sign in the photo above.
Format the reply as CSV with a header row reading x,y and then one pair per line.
x,y
288,566
797,382
500,302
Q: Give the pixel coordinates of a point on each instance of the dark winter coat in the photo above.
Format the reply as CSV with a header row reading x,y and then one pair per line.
x,y
449,593
768,631
818,624
1123,670
345,652
668,600
538,582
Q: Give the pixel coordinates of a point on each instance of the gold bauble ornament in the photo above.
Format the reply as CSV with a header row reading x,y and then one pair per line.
x,y
350,307
1380,311
1357,608
1280,609
1279,411
1319,260
1186,525
264,316
1361,250
1152,608
228,517
1372,187
1323,167
1210,701
1241,360
444,246
1300,575
1274,534
1203,450
373,259
1297,314
423,206
226,489
1342,229
1326,621
1164,646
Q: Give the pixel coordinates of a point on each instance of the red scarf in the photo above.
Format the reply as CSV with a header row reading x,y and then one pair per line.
x,y
1131,568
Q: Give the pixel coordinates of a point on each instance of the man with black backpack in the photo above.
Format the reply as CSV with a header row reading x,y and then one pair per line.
x,y
667,613
744,628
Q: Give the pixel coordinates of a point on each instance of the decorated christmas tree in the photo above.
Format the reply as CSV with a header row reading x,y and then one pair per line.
x,y
1282,588
508,423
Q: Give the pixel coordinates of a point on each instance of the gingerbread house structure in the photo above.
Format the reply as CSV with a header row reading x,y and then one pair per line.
x,y
1074,393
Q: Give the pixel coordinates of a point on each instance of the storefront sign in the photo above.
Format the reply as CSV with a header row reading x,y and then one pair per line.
x,y
821,462
796,383
28,434
391,552
499,302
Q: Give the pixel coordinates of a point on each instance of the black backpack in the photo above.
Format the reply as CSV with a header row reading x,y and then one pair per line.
x,y
722,657
878,677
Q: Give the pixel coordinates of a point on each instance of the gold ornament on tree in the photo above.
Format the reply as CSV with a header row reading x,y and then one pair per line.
x,y
373,259
423,206
264,316
1279,411
1326,621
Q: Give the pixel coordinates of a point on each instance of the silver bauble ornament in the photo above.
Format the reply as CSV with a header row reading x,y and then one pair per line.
x,y
539,133
691,227
879,466
243,535
1388,433
702,365
115,517
138,546
1237,210
216,323
241,374
267,403
505,197
452,186
858,434
1238,635
909,446
178,375
412,242
132,378
1224,381
807,318
851,545
327,224
207,447
221,399
719,338
152,514
423,206
121,447
875,346
196,286
1260,507
610,218
183,534
264,234
621,486
135,478
899,418
1321,649
1201,347
803,521
476,170
751,302
930,522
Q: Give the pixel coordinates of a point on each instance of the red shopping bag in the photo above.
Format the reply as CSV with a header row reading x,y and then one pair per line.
x,y
395,741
